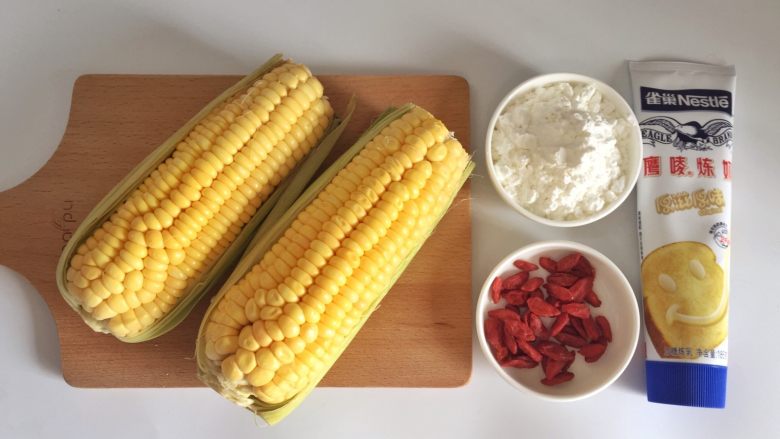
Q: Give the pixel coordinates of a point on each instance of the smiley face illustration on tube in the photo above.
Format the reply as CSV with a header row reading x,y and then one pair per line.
x,y
685,299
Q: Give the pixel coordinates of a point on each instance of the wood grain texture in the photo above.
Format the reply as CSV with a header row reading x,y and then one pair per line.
x,y
419,337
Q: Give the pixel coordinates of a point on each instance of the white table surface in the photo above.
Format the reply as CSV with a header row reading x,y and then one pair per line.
x,y
44,46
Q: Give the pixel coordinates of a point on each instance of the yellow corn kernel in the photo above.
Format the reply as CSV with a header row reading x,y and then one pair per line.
x,y
282,352
296,344
289,326
274,299
213,330
245,360
234,311
259,377
246,339
252,310
266,359
309,332
295,312
310,313
230,369
226,345
270,312
273,330
260,334
100,310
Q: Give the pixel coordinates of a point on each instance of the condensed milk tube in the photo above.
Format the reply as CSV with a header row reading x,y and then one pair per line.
x,y
686,113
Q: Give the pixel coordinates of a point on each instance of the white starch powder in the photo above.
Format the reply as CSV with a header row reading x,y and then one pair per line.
x,y
559,150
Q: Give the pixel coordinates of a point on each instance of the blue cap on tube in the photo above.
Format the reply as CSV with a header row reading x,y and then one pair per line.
x,y
690,384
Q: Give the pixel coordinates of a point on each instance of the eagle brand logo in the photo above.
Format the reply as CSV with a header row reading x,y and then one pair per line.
x,y
686,136
720,234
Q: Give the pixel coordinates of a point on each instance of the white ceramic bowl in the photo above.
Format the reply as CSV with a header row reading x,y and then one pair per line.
x,y
619,305
632,163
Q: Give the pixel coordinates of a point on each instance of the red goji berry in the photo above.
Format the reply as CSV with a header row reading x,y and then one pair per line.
x,y
559,292
558,379
560,322
529,350
501,353
571,340
593,299
536,325
606,329
532,284
568,262
525,265
515,281
515,297
548,264
495,289
577,325
536,293
570,329
581,287
509,341
591,328
554,351
493,330
541,308
519,361
592,352
562,279
518,329
554,302
583,268
553,368
579,310
503,314
534,322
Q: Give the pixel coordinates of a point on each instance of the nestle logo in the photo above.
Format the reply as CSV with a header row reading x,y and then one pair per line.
x,y
655,99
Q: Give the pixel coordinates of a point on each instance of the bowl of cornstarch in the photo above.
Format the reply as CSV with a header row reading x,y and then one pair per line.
x,y
563,149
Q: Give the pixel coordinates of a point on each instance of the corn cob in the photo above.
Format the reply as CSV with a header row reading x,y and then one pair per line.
x,y
299,295
172,229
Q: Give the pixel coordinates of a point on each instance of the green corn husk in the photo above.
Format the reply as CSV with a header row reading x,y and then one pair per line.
x,y
271,232
108,205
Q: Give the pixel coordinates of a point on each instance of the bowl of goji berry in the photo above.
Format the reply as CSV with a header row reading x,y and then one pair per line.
x,y
558,319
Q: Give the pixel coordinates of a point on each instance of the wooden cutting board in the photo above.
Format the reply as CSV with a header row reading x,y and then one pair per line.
x,y
419,337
